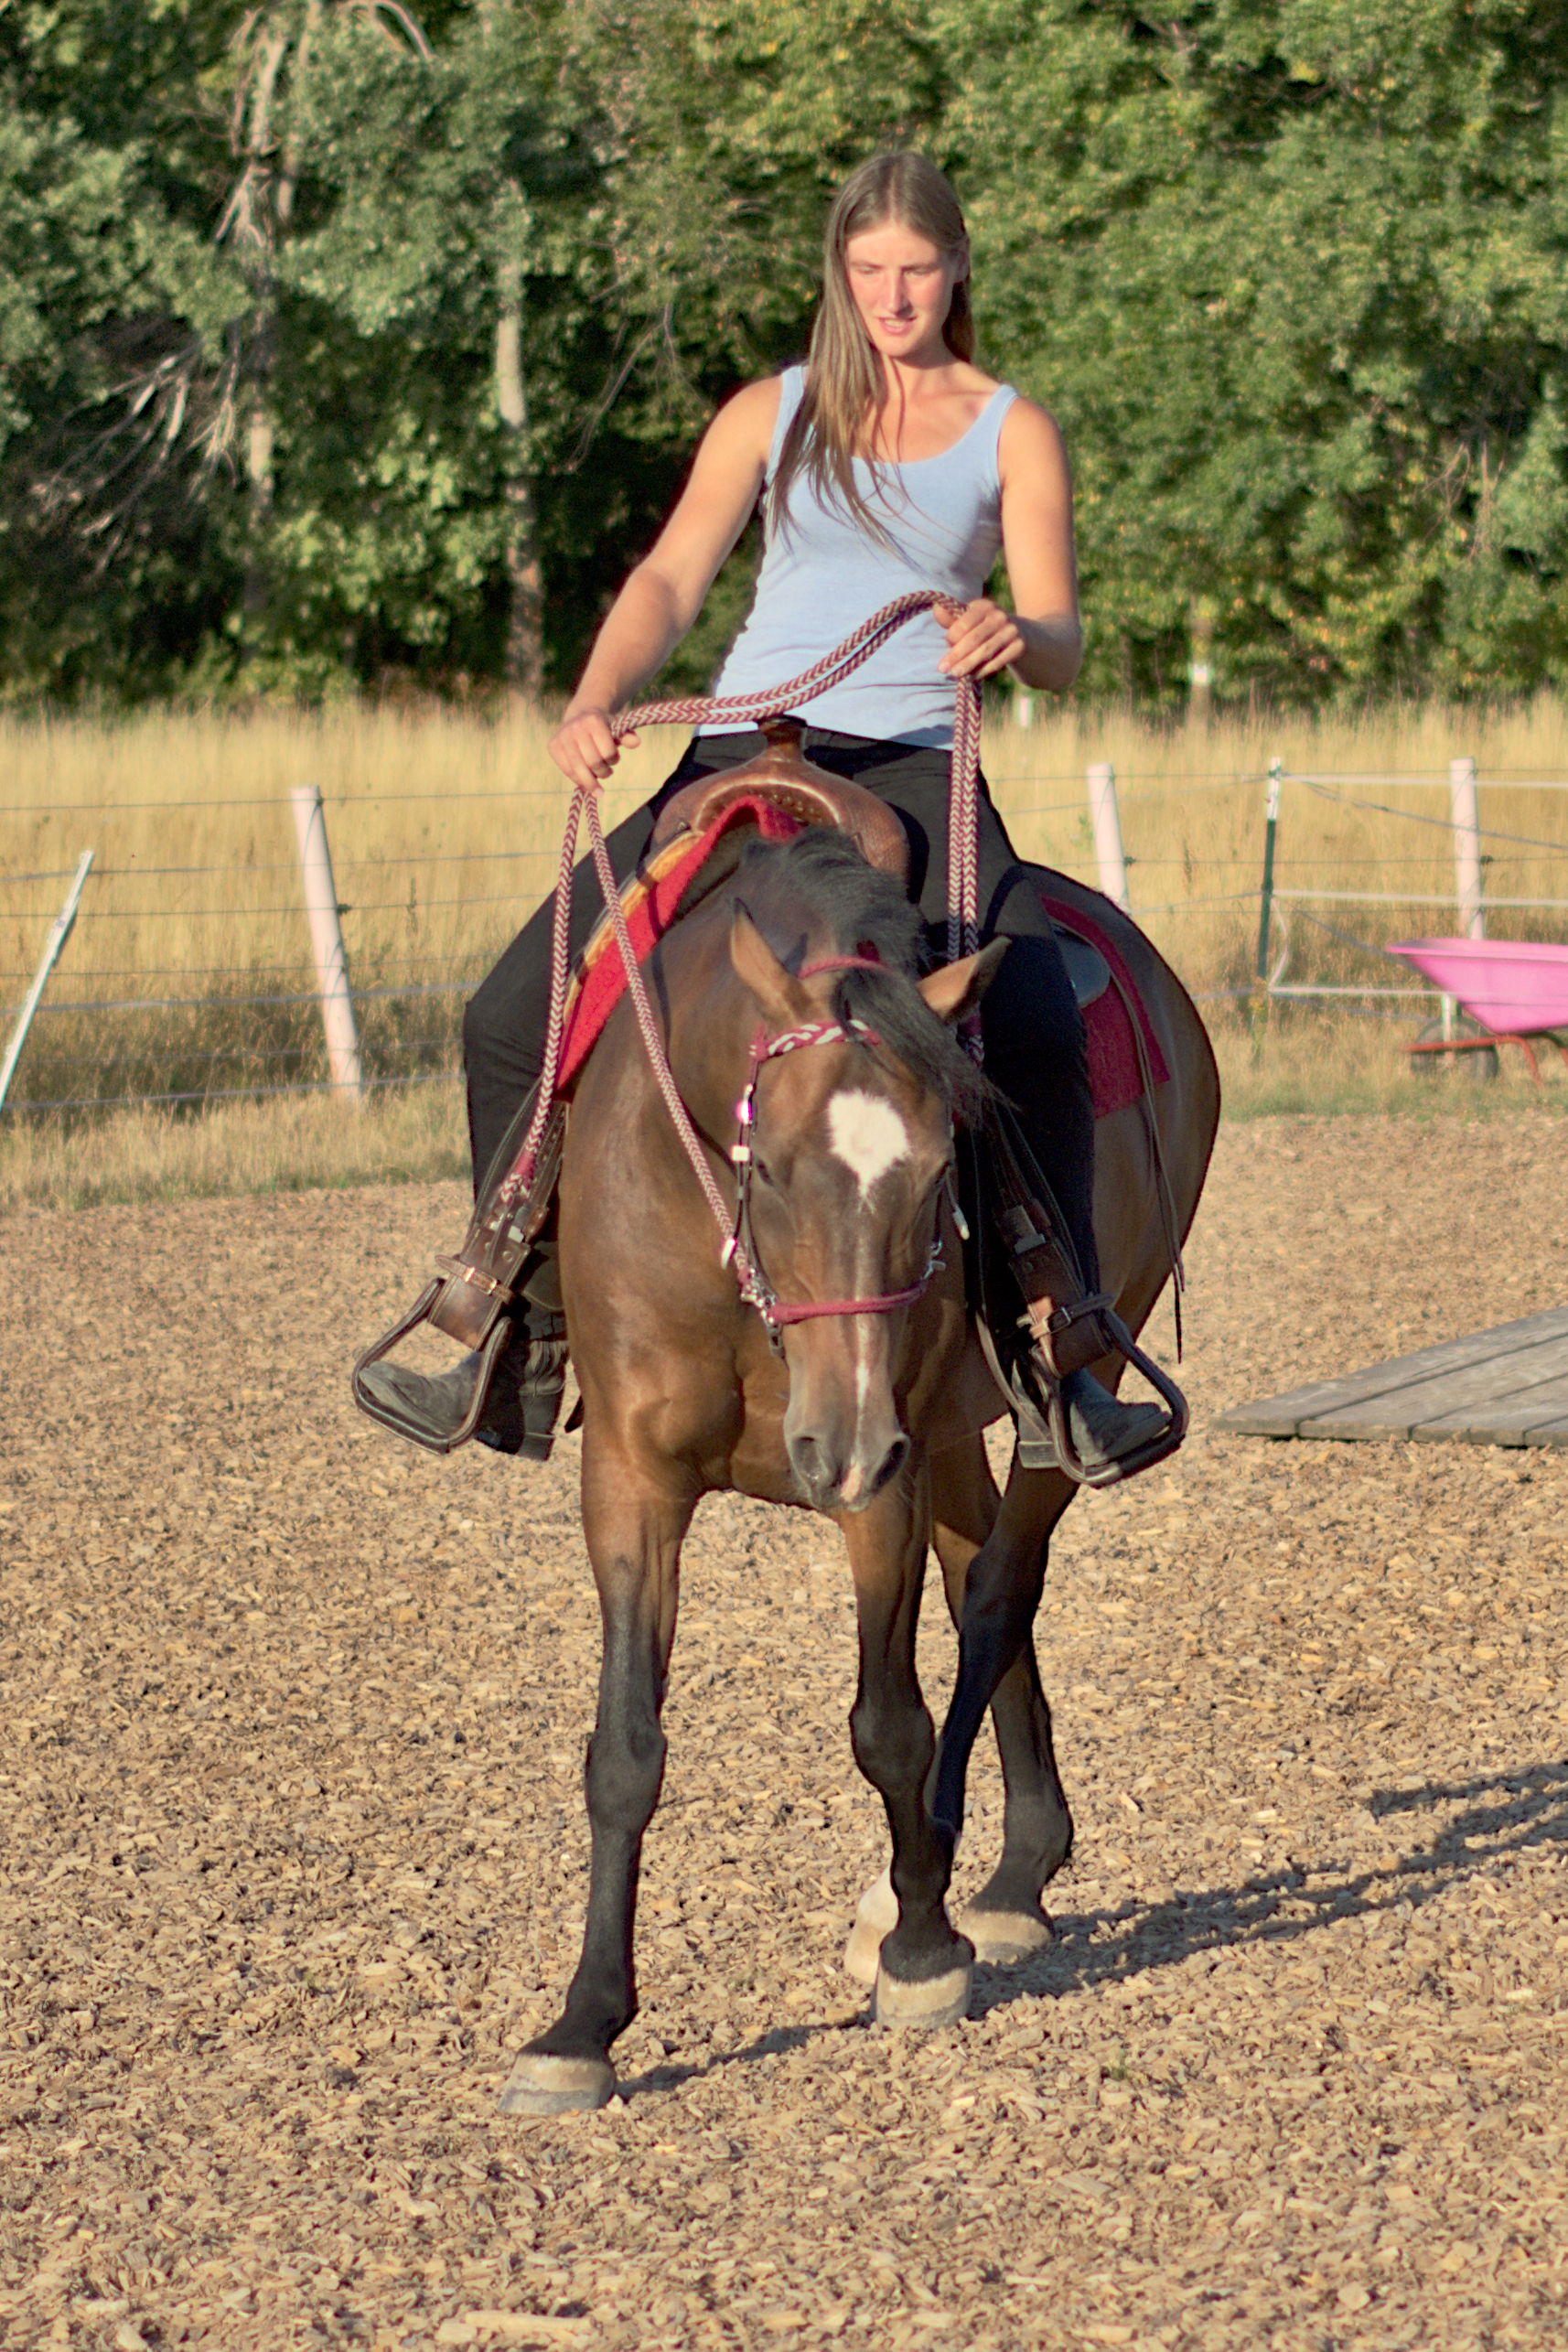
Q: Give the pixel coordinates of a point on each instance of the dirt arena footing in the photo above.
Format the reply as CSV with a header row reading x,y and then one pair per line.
x,y
291,1741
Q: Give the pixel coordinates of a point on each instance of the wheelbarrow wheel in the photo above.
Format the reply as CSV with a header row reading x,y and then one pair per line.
x,y
1479,1066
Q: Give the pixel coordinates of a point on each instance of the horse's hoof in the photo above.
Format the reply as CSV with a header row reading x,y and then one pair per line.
x,y
935,2001
1001,1938
541,2085
863,1953
876,1917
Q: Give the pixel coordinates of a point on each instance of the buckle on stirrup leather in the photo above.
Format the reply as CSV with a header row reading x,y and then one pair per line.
x,y
1099,1336
461,1316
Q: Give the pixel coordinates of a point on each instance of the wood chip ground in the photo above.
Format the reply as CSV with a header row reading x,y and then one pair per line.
x,y
291,1728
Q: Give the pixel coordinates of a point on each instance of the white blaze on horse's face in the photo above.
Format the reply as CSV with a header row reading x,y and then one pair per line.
x,y
867,1135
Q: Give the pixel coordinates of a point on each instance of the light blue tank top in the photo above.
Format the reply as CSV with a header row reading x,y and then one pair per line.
x,y
821,577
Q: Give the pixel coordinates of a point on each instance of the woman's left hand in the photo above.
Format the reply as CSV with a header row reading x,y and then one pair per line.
x,y
982,640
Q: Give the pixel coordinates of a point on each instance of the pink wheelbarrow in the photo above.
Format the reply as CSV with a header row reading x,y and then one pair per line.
x,y
1516,990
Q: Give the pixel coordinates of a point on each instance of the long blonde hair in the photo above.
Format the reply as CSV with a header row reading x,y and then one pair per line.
x,y
845,380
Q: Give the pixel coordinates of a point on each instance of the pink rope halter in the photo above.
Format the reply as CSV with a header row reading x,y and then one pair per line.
x,y
963,934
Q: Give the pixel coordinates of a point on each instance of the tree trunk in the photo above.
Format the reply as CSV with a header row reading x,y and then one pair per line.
x,y
261,213
525,617
251,217
259,473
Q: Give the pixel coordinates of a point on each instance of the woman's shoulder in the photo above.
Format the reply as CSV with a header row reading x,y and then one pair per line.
x,y
762,395
968,378
747,418
758,403
1030,435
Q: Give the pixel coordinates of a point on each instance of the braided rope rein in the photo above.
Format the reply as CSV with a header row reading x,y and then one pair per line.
x,y
963,872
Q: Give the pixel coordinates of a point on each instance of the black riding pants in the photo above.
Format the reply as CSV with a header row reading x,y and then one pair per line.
x,y
1029,1019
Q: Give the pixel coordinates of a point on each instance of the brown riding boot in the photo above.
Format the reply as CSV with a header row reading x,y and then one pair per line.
x,y
1070,1328
523,1383
522,1405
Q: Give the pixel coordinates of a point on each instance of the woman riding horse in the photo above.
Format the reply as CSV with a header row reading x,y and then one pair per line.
x,y
888,462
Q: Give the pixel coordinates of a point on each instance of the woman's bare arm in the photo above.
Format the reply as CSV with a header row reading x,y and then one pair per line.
x,y
1042,642
664,592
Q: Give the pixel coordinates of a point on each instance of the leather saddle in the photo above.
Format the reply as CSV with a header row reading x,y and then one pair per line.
x,y
795,785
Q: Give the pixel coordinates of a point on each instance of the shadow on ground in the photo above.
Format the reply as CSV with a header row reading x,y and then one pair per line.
x,y
1503,1813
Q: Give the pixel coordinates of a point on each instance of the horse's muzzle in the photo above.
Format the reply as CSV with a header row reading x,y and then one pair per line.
x,y
831,1482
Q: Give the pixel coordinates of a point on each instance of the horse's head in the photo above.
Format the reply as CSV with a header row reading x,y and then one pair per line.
x,y
852,1147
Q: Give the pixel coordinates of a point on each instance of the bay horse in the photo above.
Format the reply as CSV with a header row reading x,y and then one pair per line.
x,y
871,1412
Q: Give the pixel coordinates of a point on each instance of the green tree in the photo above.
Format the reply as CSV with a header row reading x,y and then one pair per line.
x,y
1292,276
110,306
371,342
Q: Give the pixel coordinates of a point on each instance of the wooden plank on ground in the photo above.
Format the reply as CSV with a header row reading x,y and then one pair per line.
x,y
1283,1416
1503,1420
1400,1413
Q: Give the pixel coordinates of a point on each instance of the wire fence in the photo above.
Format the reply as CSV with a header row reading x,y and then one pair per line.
x,y
169,1029
156,1023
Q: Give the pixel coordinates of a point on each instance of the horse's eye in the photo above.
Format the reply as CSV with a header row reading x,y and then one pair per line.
x,y
763,1174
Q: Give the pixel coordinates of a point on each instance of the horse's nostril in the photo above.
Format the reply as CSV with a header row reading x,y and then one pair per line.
x,y
814,1464
892,1462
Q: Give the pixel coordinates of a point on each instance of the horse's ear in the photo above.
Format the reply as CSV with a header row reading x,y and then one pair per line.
x,y
957,988
777,992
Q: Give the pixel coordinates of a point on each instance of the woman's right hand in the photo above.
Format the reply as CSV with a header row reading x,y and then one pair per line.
x,y
583,748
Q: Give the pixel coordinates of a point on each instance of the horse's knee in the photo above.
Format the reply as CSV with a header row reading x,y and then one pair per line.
x,y
893,1746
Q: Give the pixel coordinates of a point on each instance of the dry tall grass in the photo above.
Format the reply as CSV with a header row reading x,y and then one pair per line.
x,y
445,830
444,833
1192,819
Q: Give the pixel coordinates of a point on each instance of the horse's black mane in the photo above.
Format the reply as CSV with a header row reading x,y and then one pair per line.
x,y
866,912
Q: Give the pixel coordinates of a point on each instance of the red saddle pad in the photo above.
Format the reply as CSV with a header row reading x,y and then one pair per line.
x,y
1114,1078
650,900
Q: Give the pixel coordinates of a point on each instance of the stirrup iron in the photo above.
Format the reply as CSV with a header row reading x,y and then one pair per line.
x,y
1044,1428
1154,1447
398,1413
468,1298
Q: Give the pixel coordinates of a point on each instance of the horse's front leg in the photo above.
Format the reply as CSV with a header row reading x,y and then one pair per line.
x,y
634,1527
1002,1589
924,1969
1005,1921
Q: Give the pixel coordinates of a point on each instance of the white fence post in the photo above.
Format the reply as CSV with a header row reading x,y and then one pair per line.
x,y
60,931
1023,707
1107,821
327,940
1466,846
